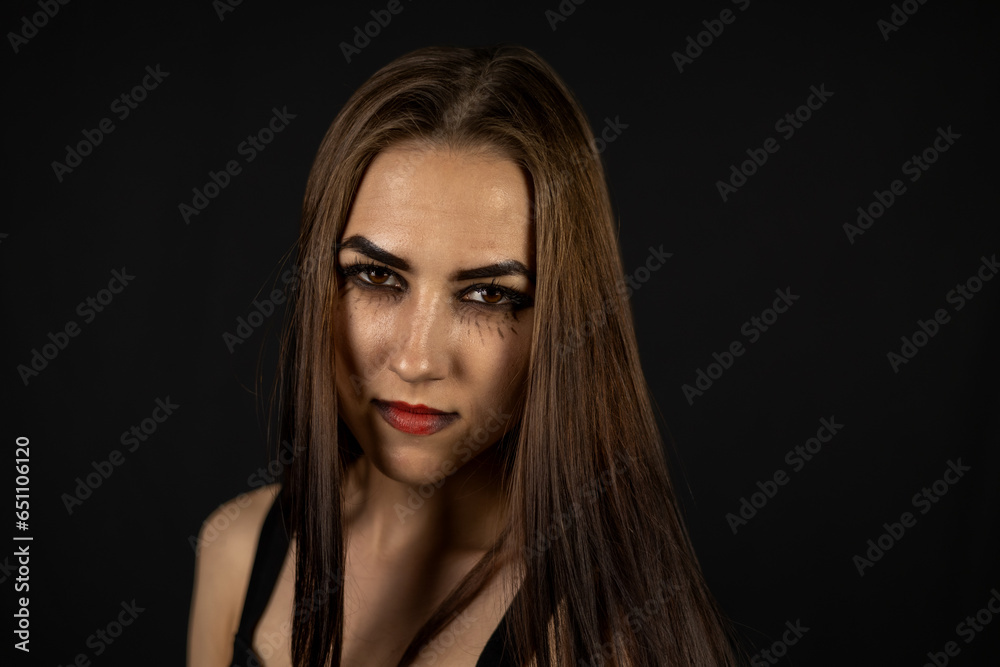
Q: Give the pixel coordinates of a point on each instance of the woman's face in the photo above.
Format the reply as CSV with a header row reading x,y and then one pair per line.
x,y
437,266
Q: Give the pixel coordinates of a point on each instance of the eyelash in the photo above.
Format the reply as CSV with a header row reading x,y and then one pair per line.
x,y
516,300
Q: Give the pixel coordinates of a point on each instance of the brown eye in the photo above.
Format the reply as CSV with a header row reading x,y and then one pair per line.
x,y
371,275
378,276
492,295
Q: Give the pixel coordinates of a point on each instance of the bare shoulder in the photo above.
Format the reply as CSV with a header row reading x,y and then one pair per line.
x,y
229,534
227,543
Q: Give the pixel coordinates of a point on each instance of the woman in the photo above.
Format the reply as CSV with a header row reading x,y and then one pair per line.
x,y
479,478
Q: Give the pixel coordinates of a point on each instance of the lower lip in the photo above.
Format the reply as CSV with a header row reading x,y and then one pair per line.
x,y
412,422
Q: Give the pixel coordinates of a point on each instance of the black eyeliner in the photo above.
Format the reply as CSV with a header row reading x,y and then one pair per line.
x,y
517,299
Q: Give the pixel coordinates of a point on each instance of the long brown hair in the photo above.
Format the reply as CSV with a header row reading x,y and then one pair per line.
x,y
609,572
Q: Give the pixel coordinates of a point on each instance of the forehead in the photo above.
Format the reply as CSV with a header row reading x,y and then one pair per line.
x,y
470,202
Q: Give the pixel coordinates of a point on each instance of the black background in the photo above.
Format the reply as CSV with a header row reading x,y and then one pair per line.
x,y
826,357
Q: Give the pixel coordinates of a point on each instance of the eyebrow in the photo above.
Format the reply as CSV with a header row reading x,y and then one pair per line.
x,y
507,267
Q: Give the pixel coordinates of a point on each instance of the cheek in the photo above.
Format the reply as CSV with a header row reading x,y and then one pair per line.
x,y
494,328
499,352
361,332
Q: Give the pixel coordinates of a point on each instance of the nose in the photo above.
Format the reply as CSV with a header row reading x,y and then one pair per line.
x,y
421,339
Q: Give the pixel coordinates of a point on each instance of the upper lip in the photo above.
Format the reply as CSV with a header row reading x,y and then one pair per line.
x,y
419,408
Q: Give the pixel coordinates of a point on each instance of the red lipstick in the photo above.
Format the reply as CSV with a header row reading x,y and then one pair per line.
x,y
414,419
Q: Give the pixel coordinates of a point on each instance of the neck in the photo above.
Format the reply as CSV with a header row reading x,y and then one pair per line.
x,y
462,513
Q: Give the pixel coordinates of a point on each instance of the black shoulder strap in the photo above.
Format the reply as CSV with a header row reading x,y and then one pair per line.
x,y
500,650
271,549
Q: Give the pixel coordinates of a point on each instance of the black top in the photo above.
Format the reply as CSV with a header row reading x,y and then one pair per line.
x,y
271,549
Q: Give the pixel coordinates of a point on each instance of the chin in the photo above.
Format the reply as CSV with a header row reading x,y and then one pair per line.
x,y
414,460
414,464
